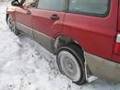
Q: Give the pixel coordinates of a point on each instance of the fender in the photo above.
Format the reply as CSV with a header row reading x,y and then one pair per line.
x,y
10,11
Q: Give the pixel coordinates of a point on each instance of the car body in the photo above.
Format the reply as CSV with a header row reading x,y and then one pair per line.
x,y
94,26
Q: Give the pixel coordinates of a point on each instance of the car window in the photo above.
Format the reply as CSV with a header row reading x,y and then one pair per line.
x,y
29,1
57,5
32,3
99,7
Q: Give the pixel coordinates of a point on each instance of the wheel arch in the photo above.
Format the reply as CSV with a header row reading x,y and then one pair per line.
x,y
67,42
63,40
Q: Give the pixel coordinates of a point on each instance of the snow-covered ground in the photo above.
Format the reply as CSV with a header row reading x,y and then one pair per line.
x,y
25,65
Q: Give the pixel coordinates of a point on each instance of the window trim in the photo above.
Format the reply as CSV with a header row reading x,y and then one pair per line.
x,y
90,14
53,10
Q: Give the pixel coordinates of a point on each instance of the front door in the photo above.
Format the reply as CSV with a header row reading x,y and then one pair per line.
x,y
23,17
47,20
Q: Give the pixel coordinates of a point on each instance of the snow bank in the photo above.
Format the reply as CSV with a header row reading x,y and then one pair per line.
x,y
23,68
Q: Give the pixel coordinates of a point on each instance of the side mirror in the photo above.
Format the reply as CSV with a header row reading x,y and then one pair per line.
x,y
15,3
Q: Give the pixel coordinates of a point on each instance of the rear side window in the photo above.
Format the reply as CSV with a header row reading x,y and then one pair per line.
x,y
56,5
92,7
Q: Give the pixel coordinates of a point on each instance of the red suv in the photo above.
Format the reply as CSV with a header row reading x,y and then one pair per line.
x,y
84,34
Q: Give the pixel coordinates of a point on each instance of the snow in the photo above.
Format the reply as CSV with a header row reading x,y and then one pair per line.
x,y
25,65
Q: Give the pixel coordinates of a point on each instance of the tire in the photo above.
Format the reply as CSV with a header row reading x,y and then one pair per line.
x,y
70,62
11,24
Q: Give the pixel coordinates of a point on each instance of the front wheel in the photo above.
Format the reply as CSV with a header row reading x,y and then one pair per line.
x,y
11,24
71,63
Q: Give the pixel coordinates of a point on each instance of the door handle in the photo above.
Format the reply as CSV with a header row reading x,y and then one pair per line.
x,y
54,17
28,12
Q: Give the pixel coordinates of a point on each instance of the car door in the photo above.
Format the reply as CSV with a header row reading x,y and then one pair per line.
x,y
47,20
23,17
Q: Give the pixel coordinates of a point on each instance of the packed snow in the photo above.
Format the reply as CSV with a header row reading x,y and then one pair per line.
x,y
25,65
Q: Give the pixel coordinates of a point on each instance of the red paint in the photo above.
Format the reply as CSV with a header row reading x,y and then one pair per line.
x,y
41,21
117,48
96,35
22,17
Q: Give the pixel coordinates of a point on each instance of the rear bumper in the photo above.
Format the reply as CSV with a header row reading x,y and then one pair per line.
x,y
102,68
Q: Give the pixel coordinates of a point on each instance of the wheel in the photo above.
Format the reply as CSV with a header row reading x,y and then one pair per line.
x,y
70,62
11,24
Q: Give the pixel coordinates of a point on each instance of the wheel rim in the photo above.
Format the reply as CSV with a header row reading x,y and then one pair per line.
x,y
11,24
69,66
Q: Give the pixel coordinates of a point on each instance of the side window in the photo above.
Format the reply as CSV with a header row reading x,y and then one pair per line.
x,y
56,5
97,7
29,1
32,3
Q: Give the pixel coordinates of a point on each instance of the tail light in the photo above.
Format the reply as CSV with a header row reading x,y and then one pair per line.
x,y
117,45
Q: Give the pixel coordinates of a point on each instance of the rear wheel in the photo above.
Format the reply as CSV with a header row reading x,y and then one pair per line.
x,y
70,61
11,24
